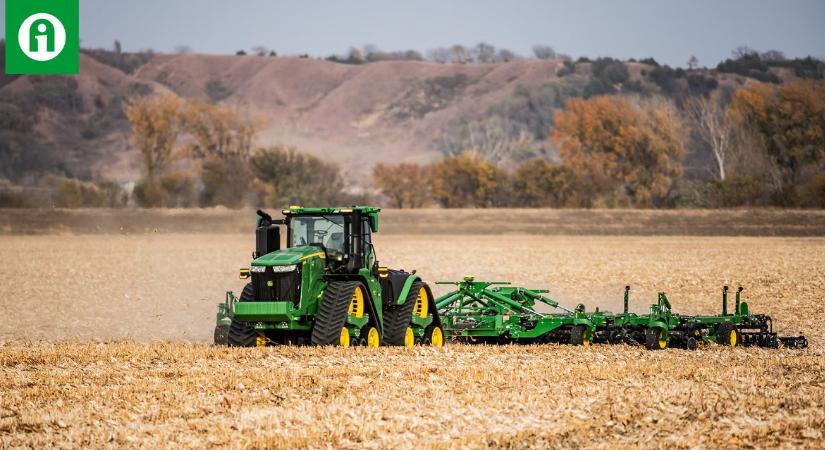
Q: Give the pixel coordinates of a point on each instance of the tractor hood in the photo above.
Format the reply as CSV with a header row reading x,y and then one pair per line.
x,y
288,256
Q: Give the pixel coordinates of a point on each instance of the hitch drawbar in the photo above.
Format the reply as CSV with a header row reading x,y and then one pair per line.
x,y
498,313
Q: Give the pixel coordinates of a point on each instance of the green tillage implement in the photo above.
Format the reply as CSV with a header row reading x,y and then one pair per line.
x,y
497,313
661,327
478,312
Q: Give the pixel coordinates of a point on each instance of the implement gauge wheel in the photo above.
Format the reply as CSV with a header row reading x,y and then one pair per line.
x,y
727,335
655,339
221,335
578,336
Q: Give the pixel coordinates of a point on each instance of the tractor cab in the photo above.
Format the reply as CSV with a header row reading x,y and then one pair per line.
x,y
340,236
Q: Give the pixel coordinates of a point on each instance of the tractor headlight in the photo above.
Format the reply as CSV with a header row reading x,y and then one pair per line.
x,y
281,269
257,269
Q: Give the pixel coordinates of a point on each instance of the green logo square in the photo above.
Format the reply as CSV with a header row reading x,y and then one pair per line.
x,y
42,36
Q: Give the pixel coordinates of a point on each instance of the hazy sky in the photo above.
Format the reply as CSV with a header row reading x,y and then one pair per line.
x,y
670,31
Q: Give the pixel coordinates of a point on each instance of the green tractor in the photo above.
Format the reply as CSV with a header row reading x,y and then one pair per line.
x,y
326,287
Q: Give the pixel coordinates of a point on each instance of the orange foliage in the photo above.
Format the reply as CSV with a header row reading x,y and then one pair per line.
x,y
622,153
407,184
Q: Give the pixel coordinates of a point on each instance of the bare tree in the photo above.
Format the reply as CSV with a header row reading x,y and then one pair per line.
x,y
183,49
440,55
742,51
260,50
544,52
505,55
460,55
693,62
711,123
772,55
484,53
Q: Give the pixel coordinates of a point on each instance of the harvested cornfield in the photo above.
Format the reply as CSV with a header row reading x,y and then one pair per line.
x,y
104,343
194,395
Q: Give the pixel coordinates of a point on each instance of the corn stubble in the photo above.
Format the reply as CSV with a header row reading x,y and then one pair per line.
x,y
83,364
194,395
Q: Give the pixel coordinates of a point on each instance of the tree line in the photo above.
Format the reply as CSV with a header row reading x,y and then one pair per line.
x,y
767,144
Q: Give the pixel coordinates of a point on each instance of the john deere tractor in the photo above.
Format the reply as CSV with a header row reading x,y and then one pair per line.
x,y
325,287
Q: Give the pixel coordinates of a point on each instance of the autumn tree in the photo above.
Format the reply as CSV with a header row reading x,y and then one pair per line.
x,y
222,140
156,125
466,180
790,122
288,177
622,152
218,131
407,185
538,183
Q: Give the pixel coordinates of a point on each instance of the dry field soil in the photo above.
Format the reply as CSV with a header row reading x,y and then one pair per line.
x,y
104,342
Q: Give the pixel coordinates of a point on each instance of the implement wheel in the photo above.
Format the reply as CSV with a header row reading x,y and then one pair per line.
x,y
397,318
655,339
340,298
578,336
241,334
727,335
221,336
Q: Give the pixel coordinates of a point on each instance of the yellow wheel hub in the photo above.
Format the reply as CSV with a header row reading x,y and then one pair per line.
x,y
662,339
586,341
356,305
733,337
343,340
260,341
409,337
422,304
373,338
437,338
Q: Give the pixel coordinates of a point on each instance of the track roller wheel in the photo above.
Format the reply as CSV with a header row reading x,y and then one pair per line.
x,y
579,336
727,335
434,336
329,327
655,339
409,337
691,343
373,338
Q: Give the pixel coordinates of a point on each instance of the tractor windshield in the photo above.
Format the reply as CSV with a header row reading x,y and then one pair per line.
x,y
317,230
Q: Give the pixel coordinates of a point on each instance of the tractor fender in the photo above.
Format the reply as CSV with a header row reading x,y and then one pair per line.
x,y
402,296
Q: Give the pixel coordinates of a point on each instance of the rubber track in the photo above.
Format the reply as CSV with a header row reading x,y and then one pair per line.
x,y
398,317
332,313
241,334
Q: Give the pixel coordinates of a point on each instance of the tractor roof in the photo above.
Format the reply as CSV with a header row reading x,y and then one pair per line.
x,y
332,210
369,211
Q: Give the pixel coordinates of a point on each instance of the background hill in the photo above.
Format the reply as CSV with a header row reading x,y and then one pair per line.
x,y
356,115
